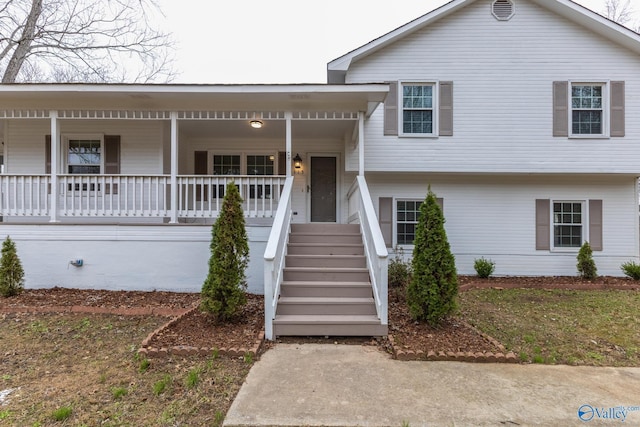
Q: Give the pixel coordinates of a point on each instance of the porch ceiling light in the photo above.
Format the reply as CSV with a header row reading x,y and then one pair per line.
x,y
256,124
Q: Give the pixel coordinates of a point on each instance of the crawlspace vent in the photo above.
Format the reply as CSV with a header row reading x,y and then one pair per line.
x,y
503,10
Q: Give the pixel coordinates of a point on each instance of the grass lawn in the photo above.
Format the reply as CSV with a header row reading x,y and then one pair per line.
x,y
77,370
598,328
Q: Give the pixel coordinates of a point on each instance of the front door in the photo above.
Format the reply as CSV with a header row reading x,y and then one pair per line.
x,y
323,189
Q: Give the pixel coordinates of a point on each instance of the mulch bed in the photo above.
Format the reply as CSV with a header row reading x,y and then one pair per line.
x,y
192,332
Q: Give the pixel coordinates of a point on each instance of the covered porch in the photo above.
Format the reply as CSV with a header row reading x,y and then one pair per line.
x,y
164,154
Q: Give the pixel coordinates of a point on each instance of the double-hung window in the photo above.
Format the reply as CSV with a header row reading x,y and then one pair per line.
x,y
588,102
260,165
568,224
407,214
84,156
418,109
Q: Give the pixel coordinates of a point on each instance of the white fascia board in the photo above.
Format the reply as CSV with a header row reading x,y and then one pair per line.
x,y
189,89
343,62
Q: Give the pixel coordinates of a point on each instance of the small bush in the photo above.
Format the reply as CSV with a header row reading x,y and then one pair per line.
x,y
399,271
484,267
586,265
11,272
631,269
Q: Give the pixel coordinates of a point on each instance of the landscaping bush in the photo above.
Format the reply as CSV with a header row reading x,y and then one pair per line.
x,y
11,272
586,265
399,271
223,291
631,269
432,291
484,267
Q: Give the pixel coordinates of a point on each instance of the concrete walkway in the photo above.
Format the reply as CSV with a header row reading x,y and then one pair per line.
x,y
344,385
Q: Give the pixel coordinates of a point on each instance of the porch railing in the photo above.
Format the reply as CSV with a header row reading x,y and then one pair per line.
x,y
113,195
200,196
274,256
24,195
361,211
134,196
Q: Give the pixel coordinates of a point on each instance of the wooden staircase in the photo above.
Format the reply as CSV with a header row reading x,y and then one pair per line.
x,y
326,288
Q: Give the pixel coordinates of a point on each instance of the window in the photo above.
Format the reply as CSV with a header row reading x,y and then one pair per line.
x,y
84,156
418,100
260,165
587,109
226,164
407,213
567,224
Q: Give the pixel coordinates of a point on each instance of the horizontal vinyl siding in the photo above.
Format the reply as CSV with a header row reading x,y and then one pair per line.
x,y
141,143
502,74
25,146
494,217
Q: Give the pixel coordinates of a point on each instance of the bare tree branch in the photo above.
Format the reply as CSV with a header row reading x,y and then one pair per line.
x,y
622,12
105,41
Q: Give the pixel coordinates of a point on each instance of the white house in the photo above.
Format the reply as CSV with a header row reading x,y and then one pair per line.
x,y
522,116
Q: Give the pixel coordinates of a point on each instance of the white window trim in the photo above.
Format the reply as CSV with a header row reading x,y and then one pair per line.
x,y
66,138
435,108
606,109
395,220
585,226
243,159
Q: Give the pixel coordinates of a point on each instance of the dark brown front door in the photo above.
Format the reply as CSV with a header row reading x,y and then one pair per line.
x,y
323,189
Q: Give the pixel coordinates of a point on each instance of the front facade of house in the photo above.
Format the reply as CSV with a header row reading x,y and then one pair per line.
x,y
522,115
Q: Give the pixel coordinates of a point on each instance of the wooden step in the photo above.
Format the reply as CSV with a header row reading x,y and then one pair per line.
x,y
332,325
325,228
326,289
337,238
334,274
325,249
339,261
326,305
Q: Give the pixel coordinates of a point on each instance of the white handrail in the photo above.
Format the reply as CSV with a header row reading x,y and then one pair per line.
x,y
375,248
274,257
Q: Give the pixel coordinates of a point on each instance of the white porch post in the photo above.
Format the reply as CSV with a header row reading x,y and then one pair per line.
x,y
174,168
53,214
361,143
288,115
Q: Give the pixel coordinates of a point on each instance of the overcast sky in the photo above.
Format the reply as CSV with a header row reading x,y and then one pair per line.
x,y
281,41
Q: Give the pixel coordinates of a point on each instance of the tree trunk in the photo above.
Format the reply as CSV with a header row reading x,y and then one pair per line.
x,y
24,45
